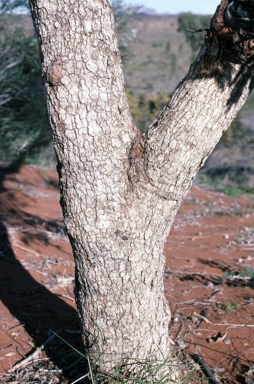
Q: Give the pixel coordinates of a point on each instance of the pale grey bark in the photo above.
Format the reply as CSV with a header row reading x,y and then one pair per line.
x,y
120,190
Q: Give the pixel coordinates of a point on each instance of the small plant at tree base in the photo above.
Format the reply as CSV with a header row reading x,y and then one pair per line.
x,y
142,371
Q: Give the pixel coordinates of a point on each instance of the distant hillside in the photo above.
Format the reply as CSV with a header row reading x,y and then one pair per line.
x,y
160,55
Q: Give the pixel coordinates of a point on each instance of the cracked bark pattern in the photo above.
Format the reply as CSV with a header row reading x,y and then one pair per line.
x,y
120,190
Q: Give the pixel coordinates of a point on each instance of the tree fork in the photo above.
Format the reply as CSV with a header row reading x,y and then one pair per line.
x,y
120,190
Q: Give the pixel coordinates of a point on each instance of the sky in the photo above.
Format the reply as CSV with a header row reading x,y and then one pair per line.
x,y
177,6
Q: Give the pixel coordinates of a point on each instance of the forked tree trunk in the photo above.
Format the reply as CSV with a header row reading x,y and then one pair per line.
x,y
120,190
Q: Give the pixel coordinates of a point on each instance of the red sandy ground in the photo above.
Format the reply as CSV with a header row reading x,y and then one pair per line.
x,y
212,312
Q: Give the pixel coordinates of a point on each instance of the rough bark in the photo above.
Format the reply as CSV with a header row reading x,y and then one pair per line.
x,y
120,190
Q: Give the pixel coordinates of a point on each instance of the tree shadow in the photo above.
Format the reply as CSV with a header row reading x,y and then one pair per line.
x,y
38,310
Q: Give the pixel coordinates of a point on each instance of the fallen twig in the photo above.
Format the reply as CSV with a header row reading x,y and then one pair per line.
x,y
202,317
27,250
32,357
76,381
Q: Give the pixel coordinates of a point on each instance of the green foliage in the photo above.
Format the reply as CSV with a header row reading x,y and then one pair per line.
x,y
145,109
231,306
236,191
245,272
168,47
229,136
216,182
237,133
173,63
194,22
24,129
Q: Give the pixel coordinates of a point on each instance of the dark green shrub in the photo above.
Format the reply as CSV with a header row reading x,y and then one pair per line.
x,y
24,129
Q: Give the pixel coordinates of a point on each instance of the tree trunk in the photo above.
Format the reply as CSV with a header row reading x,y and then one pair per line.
x,y
120,190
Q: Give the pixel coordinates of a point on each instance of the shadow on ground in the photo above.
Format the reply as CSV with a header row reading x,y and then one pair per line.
x,y
36,309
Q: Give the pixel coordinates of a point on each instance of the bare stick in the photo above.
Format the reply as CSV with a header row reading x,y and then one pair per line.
x,y
32,357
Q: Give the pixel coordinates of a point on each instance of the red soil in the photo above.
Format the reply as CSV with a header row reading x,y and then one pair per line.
x,y
212,301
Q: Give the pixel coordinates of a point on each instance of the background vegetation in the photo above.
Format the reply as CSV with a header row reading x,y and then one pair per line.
x,y
195,23
156,52
23,123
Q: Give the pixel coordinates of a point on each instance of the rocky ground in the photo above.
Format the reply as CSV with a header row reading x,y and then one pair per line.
x,y
209,282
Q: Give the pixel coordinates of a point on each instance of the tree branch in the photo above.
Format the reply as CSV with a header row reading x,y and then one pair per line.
x,y
202,107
